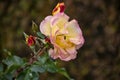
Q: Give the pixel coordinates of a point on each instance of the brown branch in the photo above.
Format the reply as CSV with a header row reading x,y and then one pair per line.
x,y
41,51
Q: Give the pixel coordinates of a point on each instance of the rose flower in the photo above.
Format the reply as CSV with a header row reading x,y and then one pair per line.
x,y
65,36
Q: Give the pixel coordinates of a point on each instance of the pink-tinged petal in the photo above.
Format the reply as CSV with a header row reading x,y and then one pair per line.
x,y
53,53
74,32
81,43
67,54
54,30
62,54
78,40
72,53
73,28
59,19
71,50
70,57
45,26
58,23
75,40
58,52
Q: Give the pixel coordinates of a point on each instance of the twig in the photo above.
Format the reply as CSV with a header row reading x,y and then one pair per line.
x,y
41,51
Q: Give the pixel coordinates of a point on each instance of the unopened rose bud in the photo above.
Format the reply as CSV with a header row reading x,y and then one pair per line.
x,y
59,8
47,40
30,40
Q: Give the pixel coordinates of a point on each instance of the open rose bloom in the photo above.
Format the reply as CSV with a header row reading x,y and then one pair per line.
x,y
65,36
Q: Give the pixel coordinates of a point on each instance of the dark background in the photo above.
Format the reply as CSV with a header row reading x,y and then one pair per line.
x,y
98,59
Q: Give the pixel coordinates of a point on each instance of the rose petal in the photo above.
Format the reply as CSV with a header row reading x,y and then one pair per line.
x,y
62,54
53,53
72,51
73,28
77,41
58,24
74,32
45,26
59,19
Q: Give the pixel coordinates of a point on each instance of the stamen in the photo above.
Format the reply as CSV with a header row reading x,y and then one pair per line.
x,y
64,37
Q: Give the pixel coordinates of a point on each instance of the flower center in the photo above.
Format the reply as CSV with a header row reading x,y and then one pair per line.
x,y
63,41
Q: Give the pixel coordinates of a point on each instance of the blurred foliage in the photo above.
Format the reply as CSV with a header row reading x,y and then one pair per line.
x,y
16,68
98,59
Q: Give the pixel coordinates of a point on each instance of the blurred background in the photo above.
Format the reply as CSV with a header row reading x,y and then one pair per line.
x,y
98,59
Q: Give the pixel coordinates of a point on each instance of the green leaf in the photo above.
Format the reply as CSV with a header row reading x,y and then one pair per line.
x,y
42,59
13,60
12,69
1,70
8,76
37,68
13,63
10,72
64,72
48,63
25,75
9,61
8,52
28,76
34,27
40,35
51,66
33,49
21,75
18,60
25,35
35,76
1,67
